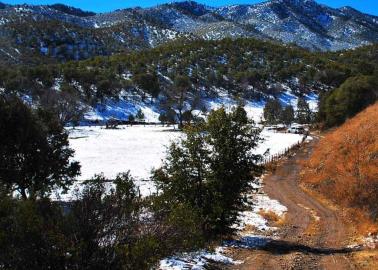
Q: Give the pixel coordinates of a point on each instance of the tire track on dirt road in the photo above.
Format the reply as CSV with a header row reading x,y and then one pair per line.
x,y
314,235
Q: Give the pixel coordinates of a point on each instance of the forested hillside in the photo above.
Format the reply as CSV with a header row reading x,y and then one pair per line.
x,y
244,69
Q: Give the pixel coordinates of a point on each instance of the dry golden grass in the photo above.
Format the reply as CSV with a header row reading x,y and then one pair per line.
x,y
273,218
366,260
249,228
343,168
281,222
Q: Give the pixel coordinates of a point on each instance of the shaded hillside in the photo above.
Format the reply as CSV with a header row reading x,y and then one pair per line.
x,y
25,30
344,165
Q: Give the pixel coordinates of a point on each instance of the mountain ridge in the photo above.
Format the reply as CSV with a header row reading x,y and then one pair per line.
x,y
302,22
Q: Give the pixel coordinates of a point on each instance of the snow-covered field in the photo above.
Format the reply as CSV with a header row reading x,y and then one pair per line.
x,y
112,151
140,149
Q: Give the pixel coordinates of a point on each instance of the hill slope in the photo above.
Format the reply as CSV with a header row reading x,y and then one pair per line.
x,y
66,33
344,166
225,71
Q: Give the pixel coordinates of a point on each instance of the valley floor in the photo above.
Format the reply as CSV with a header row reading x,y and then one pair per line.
x,y
139,149
313,235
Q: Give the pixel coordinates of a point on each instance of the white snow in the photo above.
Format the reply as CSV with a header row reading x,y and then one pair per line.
x,y
276,142
139,149
128,104
196,260
3,21
371,241
121,109
112,151
261,202
254,109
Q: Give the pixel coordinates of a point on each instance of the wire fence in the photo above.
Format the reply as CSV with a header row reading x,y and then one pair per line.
x,y
284,153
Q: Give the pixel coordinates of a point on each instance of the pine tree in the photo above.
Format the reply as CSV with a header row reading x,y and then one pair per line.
x,y
351,97
273,111
139,115
288,115
303,111
131,118
148,82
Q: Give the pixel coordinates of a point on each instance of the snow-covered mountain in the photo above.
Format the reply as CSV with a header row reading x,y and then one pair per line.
x,y
67,33
307,23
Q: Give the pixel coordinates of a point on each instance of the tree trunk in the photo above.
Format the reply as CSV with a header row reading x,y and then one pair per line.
x,y
180,119
23,194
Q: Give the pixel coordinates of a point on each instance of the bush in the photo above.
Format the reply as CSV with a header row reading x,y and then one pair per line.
x,y
31,235
107,226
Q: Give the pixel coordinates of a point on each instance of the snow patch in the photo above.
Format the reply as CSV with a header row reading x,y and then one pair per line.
x,y
121,109
276,142
196,260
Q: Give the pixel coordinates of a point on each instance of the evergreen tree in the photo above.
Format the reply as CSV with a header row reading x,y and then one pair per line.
x,y
163,118
34,151
148,82
131,118
211,168
273,111
303,111
351,97
288,115
32,235
139,115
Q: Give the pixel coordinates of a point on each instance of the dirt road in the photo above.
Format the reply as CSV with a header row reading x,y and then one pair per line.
x,y
314,236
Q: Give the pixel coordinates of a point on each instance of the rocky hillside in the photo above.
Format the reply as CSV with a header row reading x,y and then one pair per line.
x,y
65,33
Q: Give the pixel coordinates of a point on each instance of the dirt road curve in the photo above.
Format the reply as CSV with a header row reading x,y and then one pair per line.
x,y
313,237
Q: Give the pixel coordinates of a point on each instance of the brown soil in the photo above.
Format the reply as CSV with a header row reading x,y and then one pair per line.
x,y
314,235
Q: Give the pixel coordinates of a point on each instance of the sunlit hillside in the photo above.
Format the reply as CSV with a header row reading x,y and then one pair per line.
x,y
344,165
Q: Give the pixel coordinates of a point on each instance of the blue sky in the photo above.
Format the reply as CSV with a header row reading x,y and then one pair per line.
x,y
367,6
